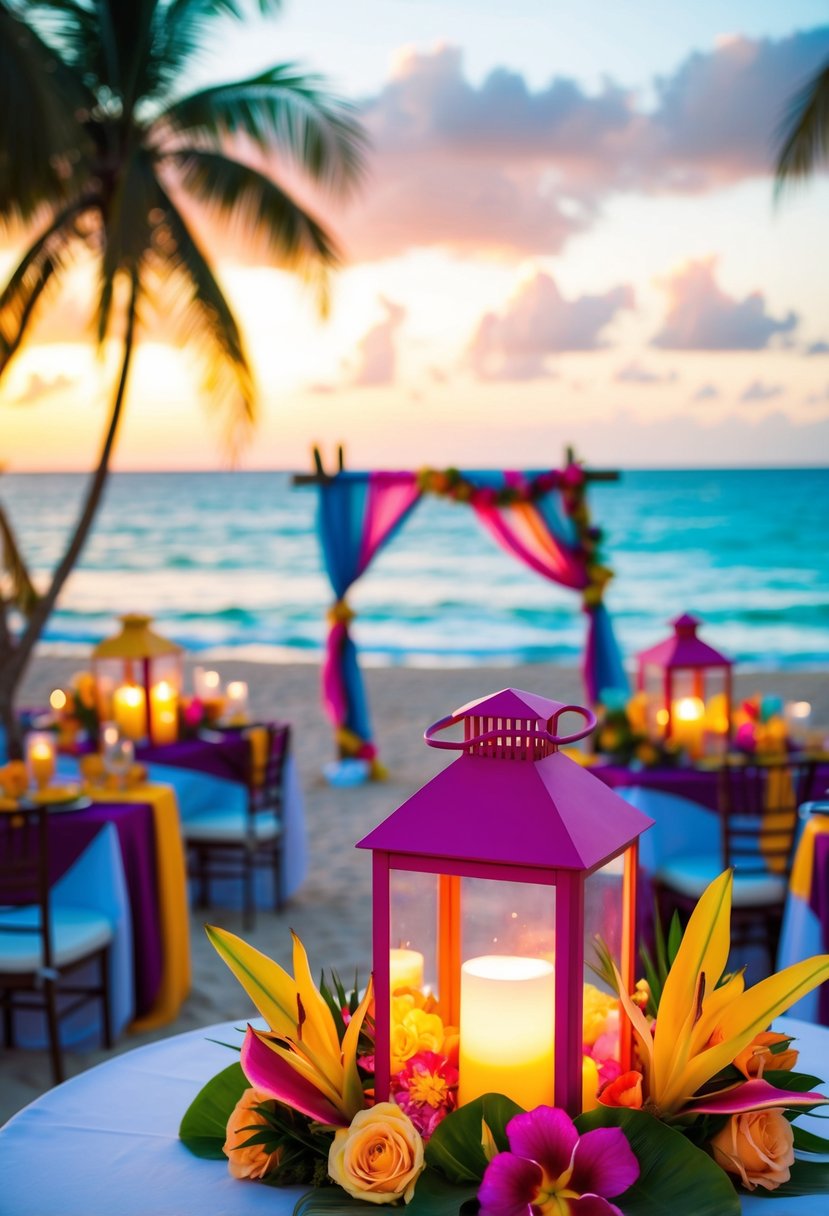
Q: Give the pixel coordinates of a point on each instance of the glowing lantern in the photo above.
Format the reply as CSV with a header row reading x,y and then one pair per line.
x,y
491,883
138,680
691,684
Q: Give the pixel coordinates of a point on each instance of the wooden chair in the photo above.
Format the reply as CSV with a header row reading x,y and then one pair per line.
x,y
44,943
757,804
234,845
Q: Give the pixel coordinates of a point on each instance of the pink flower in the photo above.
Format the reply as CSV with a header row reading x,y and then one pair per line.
x,y
551,1169
426,1089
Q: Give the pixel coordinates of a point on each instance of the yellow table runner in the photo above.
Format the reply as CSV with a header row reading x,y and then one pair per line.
x,y
173,908
800,882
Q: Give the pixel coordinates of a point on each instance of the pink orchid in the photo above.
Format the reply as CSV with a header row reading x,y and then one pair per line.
x,y
550,1169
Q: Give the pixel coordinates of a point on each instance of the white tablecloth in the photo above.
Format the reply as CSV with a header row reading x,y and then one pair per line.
x,y
106,1142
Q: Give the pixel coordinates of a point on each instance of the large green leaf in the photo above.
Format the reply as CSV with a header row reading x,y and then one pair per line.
x,y
456,1148
671,1169
204,1125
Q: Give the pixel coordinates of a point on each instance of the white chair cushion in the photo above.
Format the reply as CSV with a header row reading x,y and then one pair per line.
x,y
691,875
229,826
76,932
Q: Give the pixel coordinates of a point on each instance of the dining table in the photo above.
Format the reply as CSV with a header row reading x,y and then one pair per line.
x,y
107,1140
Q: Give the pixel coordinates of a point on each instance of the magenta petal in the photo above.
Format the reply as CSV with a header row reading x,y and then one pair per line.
x,y
592,1205
266,1070
752,1095
545,1135
509,1186
604,1163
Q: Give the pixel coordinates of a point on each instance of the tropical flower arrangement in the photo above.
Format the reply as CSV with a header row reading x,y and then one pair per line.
x,y
708,1109
75,710
623,733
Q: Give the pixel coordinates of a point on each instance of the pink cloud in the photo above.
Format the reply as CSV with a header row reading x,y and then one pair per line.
x,y
636,373
377,350
758,390
501,168
701,316
538,322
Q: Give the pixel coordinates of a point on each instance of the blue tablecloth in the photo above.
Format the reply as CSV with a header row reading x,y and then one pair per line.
x,y
107,1141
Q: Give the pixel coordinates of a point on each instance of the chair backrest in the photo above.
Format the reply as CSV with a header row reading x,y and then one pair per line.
x,y
24,871
267,770
758,803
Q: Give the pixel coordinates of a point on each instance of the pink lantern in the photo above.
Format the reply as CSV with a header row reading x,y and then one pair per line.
x,y
693,698
489,886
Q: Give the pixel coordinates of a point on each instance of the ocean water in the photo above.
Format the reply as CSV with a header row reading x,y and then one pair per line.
x,y
229,562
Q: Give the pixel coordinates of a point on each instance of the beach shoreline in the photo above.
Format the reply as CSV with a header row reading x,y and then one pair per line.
x,y
331,912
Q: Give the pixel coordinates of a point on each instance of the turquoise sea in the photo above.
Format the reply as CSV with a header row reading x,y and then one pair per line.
x,y
229,562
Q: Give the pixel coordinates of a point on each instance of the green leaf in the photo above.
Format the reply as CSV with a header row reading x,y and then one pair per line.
x,y
433,1196
808,1142
670,1168
807,1178
203,1127
456,1150
331,1201
800,1082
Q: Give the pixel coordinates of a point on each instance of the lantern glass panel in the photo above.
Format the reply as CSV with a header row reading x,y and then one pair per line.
x,y
604,920
515,918
413,931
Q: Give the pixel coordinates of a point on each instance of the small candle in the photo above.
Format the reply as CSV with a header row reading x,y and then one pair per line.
x,y
207,685
688,724
164,712
589,1084
237,701
57,699
405,969
109,735
507,1029
798,715
40,759
129,709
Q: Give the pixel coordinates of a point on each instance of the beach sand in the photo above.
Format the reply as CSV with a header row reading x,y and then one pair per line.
x,y
332,912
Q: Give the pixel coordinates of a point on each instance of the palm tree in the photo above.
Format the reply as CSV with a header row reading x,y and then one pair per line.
x,y
805,136
100,147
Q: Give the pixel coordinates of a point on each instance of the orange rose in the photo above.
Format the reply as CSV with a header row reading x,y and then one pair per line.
x,y
757,1058
251,1161
626,1090
14,778
379,1158
757,1146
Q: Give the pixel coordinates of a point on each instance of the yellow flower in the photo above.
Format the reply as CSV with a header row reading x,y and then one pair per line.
x,y
700,1027
14,779
379,1157
597,1006
248,1161
412,1030
757,1146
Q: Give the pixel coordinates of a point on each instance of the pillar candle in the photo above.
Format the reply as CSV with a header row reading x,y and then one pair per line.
x,y
40,759
688,725
507,1029
589,1083
405,969
129,710
164,712
237,701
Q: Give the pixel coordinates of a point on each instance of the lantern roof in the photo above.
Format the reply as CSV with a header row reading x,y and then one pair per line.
x,y
135,641
683,648
504,802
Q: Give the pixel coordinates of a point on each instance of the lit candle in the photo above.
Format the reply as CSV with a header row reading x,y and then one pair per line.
x,y
688,724
129,709
405,969
40,759
507,1029
57,699
109,735
207,685
798,715
237,701
164,712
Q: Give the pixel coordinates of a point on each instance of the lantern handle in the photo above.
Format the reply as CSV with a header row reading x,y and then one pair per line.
x,y
460,745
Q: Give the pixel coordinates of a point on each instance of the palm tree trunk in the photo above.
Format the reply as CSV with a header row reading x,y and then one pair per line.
x,y
14,657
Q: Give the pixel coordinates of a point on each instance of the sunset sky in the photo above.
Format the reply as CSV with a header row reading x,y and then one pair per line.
x,y
567,235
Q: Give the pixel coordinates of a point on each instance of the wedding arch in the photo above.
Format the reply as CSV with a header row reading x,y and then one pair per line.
x,y
539,516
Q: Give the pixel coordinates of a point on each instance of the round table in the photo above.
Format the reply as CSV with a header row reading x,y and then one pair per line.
x,y
107,1140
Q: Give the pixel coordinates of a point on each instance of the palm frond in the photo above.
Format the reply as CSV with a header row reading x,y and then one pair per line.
x,y
181,286
241,195
127,229
40,269
42,141
283,109
21,593
805,132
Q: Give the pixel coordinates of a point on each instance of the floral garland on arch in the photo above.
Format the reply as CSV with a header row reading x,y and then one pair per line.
x,y
570,482
707,1112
